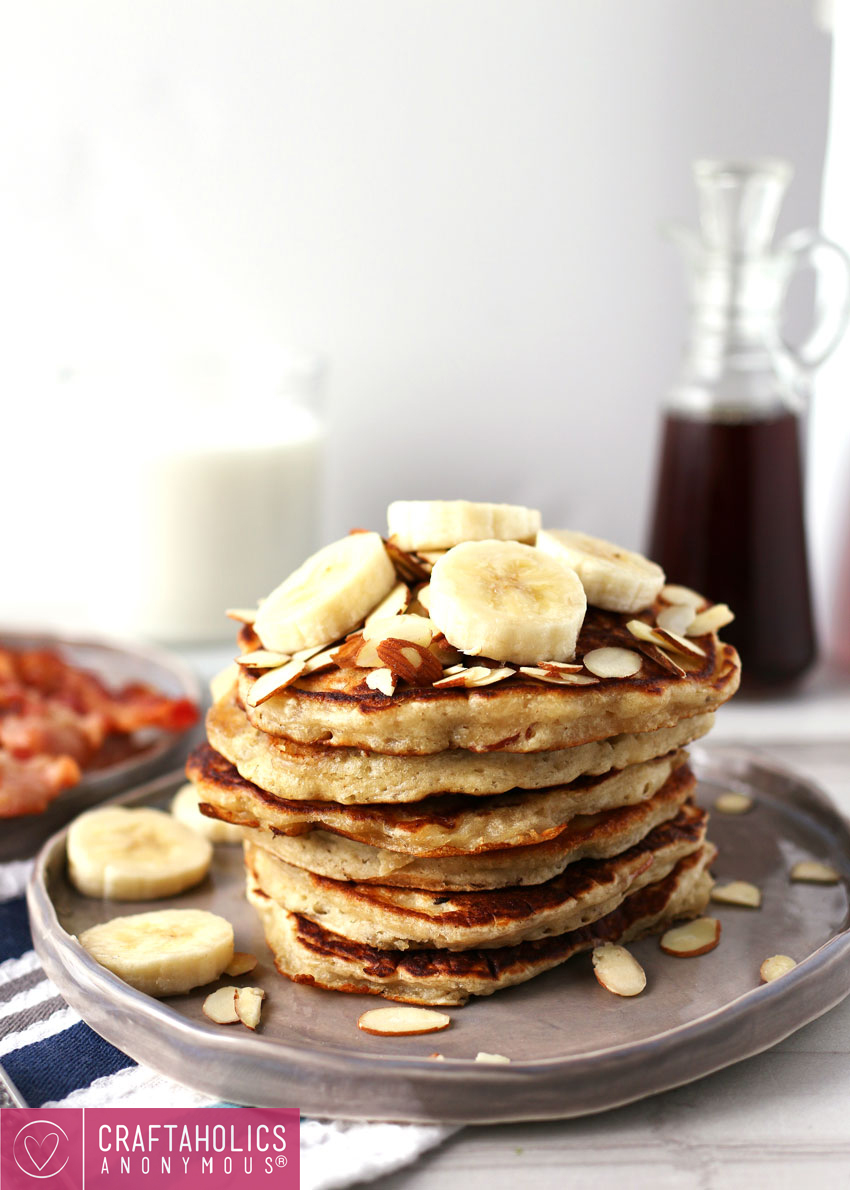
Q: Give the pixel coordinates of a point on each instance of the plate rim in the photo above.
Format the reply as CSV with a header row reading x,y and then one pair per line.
x,y
819,980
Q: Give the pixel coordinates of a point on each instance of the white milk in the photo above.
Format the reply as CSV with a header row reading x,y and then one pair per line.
x,y
143,515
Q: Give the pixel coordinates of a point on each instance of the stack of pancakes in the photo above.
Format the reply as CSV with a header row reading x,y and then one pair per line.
x,y
444,841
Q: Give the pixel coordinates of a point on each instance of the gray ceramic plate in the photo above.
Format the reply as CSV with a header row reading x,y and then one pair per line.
x,y
574,1048
148,752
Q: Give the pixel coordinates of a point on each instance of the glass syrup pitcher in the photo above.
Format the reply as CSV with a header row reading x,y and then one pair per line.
x,y
728,513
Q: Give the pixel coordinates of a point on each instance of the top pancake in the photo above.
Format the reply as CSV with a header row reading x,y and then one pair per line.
x,y
518,715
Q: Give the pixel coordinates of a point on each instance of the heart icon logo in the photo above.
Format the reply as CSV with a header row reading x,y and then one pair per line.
x,y
48,1144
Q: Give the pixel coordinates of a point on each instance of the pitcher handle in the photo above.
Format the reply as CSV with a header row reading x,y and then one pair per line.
x,y
832,302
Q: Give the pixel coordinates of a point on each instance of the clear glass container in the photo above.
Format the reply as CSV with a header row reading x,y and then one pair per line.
x,y
728,512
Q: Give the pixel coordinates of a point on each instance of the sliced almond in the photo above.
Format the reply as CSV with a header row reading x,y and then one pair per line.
x,y
492,675
664,638
612,662
733,803
812,871
408,628
692,939
492,1059
262,659
410,567
713,620
323,660
477,675
618,970
561,667
661,658
241,963
220,1006
393,605
313,651
274,680
382,681
402,1021
423,594
249,1002
737,892
676,617
451,670
557,679
243,615
346,655
446,654
673,593
409,662
775,966
367,655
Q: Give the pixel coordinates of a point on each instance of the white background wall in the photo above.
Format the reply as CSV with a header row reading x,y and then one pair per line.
x,y
457,200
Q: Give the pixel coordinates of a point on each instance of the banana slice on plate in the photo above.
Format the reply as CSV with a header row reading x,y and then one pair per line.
x,y
327,595
615,579
507,601
184,807
165,952
134,855
440,524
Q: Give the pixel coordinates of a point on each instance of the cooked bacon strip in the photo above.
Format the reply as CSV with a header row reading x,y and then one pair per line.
x,y
29,786
54,719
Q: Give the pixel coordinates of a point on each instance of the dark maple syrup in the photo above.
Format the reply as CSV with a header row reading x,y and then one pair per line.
x,y
728,521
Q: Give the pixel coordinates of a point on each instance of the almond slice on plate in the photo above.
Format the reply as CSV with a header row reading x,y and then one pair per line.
x,y
403,1021
673,593
676,617
249,1002
561,667
241,963
618,970
812,871
775,966
692,939
737,892
393,604
263,659
382,681
492,1059
612,662
243,615
712,620
733,803
220,1006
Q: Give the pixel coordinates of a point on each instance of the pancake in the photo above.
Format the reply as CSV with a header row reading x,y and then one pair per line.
x,y
309,953
587,836
453,824
520,714
320,773
382,916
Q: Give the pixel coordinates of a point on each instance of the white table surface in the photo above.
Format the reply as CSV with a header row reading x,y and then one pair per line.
x,y
779,1120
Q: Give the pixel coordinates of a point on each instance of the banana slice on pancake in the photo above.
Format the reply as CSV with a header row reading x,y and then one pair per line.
x,y
165,952
441,524
507,601
615,579
327,595
134,854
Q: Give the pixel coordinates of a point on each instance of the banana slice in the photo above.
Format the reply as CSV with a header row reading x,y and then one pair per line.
x,y
134,855
615,579
440,524
165,952
508,601
327,595
184,807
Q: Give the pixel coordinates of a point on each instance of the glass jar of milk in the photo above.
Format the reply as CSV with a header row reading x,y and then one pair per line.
x,y
202,481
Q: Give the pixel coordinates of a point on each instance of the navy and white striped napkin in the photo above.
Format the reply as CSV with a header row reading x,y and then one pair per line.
x,y
56,1060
